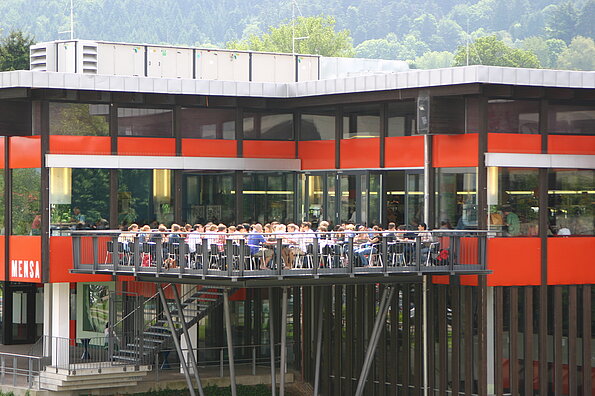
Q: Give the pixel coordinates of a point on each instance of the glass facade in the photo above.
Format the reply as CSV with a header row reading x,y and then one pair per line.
x,y
209,196
513,202
404,197
268,197
362,121
571,201
79,199
456,198
318,124
145,197
134,121
571,119
401,118
204,123
268,126
513,116
79,119
25,197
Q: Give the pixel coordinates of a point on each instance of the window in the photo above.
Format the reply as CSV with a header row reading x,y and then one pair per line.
x,y
145,197
15,118
318,124
456,198
145,122
513,116
209,196
208,123
513,202
26,212
362,121
571,201
268,197
79,119
268,126
571,119
401,118
79,199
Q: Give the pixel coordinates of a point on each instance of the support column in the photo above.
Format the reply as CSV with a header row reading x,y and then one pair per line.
x,y
283,343
490,340
272,343
47,318
60,328
318,346
232,369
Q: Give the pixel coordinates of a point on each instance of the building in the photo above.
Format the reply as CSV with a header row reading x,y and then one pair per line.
x,y
97,146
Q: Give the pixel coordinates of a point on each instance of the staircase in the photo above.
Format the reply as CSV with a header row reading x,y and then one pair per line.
x,y
157,334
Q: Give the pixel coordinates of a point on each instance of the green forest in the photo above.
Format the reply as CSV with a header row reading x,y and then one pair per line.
x,y
426,33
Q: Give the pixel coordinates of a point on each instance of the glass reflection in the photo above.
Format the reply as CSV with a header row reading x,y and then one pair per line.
x,y
571,201
209,196
456,198
25,194
268,197
79,119
513,201
145,197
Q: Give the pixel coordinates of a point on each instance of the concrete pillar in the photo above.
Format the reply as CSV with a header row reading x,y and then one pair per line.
x,y
60,300
491,384
193,331
47,318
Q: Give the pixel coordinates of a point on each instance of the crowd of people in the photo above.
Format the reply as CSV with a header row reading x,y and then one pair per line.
x,y
295,242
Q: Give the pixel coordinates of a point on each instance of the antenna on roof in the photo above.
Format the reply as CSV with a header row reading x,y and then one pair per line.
x,y
295,5
71,31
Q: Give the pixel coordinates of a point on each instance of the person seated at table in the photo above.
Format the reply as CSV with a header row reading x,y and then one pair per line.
x,y
145,234
361,237
426,239
127,237
257,245
391,234
290,245
175,236
369,247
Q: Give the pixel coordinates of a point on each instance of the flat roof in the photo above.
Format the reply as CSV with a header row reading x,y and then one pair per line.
x,y
363,83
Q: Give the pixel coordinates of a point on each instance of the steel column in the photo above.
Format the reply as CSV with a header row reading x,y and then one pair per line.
x,y
232,369
377,329
187,337
318,347
283,342
272,343
174,336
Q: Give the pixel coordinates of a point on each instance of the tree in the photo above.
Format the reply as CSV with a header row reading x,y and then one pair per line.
x,y
562,22
547,50
585,20
434,60
316,35
14,51
386,48
580,55
490,50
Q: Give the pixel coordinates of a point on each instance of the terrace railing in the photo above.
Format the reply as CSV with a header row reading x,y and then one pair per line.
x,y
286,255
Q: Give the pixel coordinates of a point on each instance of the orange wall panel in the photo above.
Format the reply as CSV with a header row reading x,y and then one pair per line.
x,y
317,154
209,148
570,260
514,261
61,262
268,149
2,158
25,152
455,150
24,261
360,153
146,146
66,144
562,144
404,151
514,143
2,258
